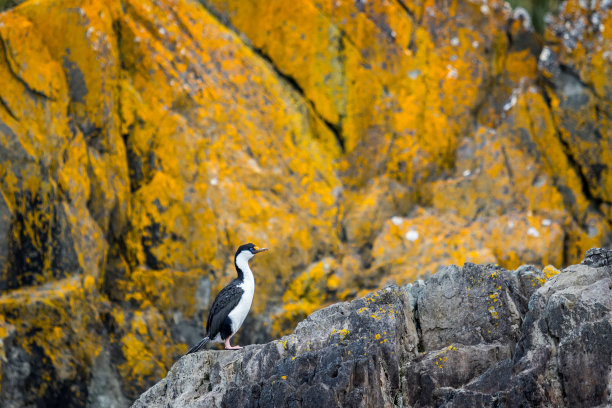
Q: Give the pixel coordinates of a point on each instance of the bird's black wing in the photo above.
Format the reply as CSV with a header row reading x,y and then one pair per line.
x,y
225,302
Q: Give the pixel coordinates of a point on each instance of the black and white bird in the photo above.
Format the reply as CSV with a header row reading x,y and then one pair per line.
x,y
232,304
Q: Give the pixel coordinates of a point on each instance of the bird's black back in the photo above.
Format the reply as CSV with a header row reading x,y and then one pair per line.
x,y
224,303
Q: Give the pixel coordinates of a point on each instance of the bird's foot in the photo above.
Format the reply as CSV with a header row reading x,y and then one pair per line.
x,y
227,345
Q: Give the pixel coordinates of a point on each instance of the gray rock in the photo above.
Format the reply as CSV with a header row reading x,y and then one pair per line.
x,y
564,357
104,388
452,366
471,336
472,305
597,257
348,354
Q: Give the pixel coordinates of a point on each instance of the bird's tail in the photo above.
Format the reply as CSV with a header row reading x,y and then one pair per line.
x,y
198,346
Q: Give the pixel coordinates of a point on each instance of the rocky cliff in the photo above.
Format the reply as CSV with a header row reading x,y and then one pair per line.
x,y
474,336
365,143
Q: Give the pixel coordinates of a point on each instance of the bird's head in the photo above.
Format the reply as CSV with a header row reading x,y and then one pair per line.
x,y
248,251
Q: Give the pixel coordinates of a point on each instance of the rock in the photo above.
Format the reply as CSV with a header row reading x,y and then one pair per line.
x,y
530,155
578,70
348,354
563,355
416,246
468,306
65,335
367,143
104,388
464,337
136,146
597,258
426,377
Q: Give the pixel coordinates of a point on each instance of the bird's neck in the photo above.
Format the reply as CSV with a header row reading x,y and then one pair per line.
x,y
244,271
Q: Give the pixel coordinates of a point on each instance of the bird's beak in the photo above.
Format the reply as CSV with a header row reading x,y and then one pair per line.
x,y
258,250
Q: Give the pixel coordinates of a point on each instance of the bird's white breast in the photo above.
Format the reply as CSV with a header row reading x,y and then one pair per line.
x,y
241,310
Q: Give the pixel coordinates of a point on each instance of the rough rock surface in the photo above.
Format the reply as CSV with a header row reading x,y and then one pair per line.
x,y
348,353
365,142
474,336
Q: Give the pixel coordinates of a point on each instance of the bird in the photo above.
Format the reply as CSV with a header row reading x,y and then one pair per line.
x,y
232,304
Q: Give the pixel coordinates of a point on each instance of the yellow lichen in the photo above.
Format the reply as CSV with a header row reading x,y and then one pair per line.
x,y
549,271
151,141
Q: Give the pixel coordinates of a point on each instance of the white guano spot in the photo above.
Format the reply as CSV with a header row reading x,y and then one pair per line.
x,y
545,54
412,235
452,72
467,173
533,232
214,182
454,41
397,220
414,74
510,103
546,222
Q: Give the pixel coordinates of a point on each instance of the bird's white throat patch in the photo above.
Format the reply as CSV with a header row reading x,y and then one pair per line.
x,y
242,261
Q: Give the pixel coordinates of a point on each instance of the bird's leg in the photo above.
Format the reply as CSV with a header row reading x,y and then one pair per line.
x,y
227,344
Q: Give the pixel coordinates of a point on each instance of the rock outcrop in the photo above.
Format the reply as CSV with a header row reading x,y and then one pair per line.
x,y
365,142
474,336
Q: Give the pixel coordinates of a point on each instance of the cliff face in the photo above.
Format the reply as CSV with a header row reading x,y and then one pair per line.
x,y
136,141
366,143
466,337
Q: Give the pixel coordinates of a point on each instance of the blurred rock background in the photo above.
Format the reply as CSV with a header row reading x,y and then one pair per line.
x,y
363,142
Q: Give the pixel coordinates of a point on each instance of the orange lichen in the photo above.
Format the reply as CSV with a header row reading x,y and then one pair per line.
x,y
549,271
304,295
139,343
61,321
375,143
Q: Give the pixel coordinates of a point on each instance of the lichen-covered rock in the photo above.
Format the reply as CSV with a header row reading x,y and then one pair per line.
x,y
577,66
471,336
55,334
484,133
366,143
348,354
467,306
140,142
563,356
451,366
420,245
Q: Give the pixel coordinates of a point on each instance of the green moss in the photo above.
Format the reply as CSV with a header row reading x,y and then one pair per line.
x,y
7,4
537,10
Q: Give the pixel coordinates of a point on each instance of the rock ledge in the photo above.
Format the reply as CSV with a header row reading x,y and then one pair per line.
x,y
473,336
